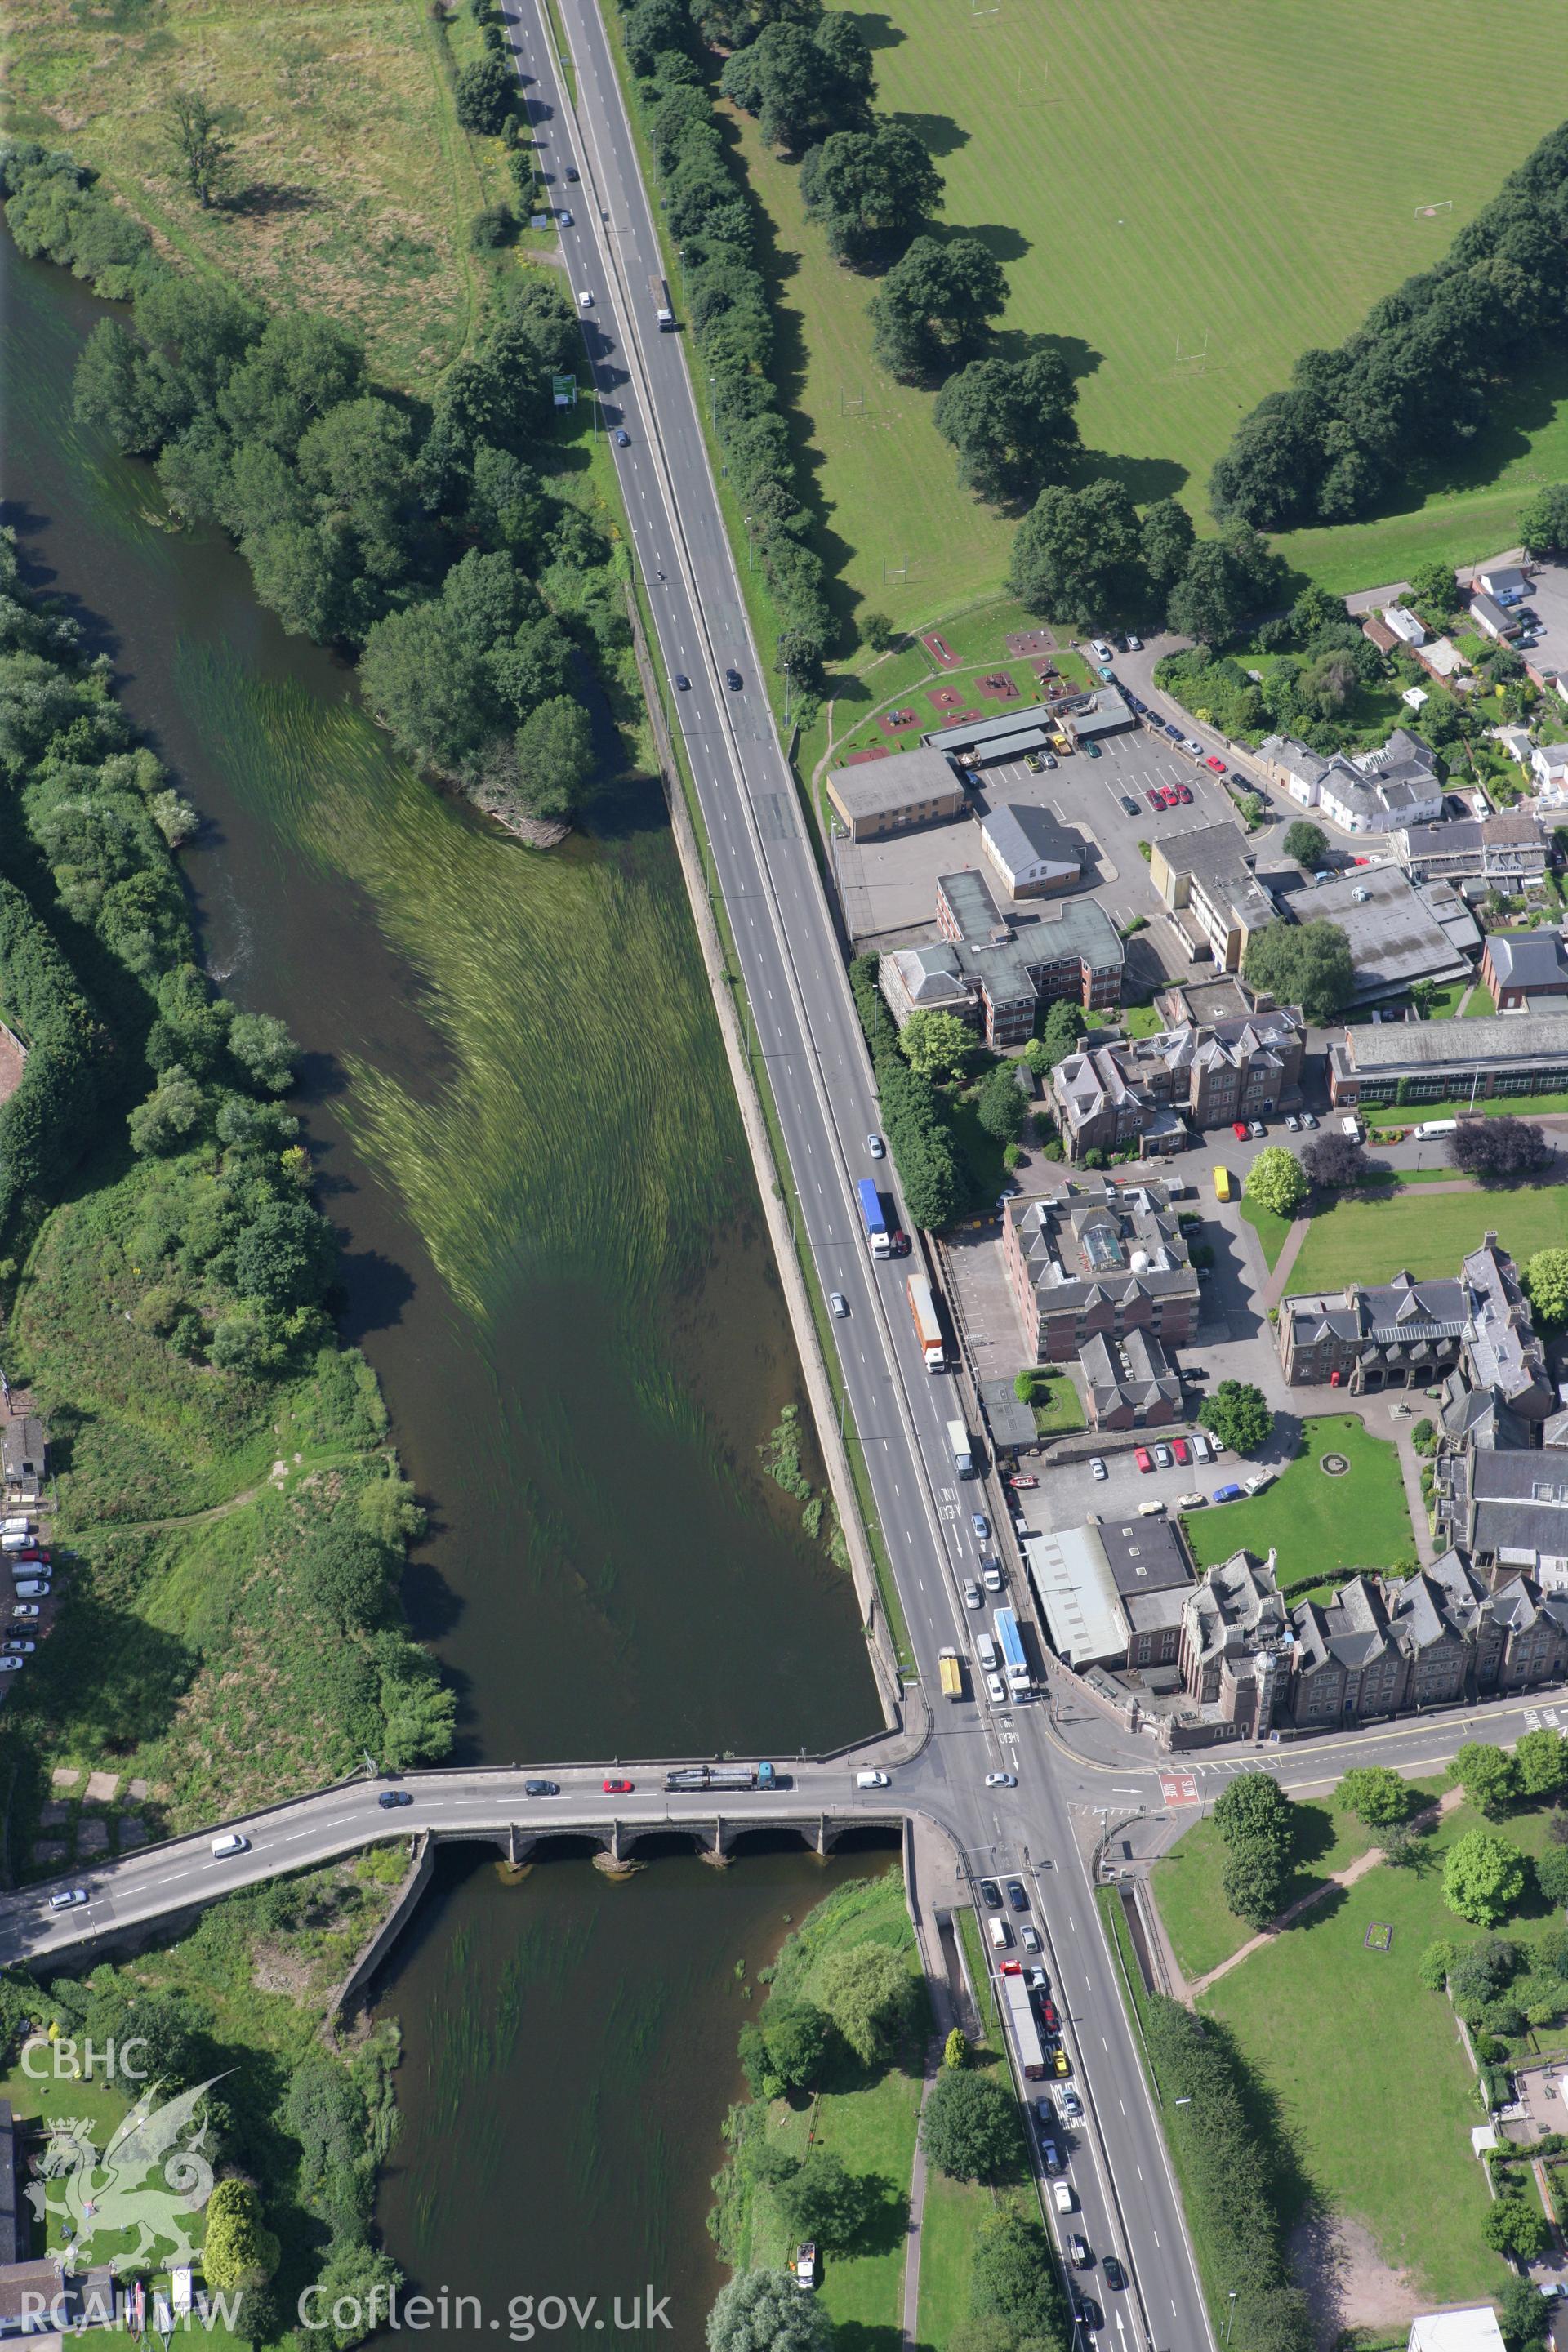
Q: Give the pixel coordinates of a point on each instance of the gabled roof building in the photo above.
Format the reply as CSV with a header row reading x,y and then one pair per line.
x,y
1098,1257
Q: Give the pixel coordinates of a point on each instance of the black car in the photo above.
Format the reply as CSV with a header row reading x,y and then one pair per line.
x,y
1130,804
1090,2317
541,1787
733,680
572,173
991,1894
1015,1894
390,1799
682,683
1112,2274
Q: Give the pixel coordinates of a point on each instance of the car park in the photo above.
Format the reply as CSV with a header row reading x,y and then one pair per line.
x,y
1217,765
1144,1458
1230,1493
1097,1468
1031,1935
1001,1779
981,1524
1129,805
970,1593
838,1303
390,1799
68,1898
1015,1894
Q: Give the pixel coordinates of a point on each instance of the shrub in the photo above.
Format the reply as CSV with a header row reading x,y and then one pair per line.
x,y
494,227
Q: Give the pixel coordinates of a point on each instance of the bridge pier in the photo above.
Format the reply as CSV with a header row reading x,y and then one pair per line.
x,y
610,1860
716,1855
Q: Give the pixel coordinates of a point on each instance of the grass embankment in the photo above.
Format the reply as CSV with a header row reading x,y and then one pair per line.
x,y
1365,2071
1172,328
353,185
865,2116
1370,1239
1322,1528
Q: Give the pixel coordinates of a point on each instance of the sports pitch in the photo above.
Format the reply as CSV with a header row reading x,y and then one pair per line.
x,y
1188,197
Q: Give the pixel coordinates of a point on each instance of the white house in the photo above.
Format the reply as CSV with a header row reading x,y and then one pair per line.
x,y
1503,581
1404,625
1492,619
1473,2328
1549,767
1294,767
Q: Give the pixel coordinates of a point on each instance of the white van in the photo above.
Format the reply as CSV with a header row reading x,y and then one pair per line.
x,y
1200,1445
229,1843
1257,1482
1000,1933
870,1780
1062,2191
15,1527
987,1649
17,1540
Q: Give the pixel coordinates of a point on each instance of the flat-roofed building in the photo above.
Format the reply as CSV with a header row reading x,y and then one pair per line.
x,y
895,794
1207,872
1395,936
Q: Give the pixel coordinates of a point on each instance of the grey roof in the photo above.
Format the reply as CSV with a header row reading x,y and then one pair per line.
x,y
984,730
1145,1555
904,780
1010,1423
1530,960
1152,1612
1103,713
1399,1315
1518,1505
1133,1371
1480,1417
1501,1038
1217,858
1012,747
1099,1243
1395,937
1485,608
1296,759
1022,836
1006,955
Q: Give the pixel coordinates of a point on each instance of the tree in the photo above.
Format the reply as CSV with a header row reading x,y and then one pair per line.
x,y
1307,844
200,147
1376,1794
1498,1149
1011,422
239,2251
1523,2315
796,2034
877,631
1543,524
969,2128
871,189
1165,541
822,2200
1432,1969
934,306
1252,1882
1435,586
1307,964
1334,1159
1252,1808
357,2280
1552,1874
1076,555
764,2311
1001,1108
1064,1029
264,1050
484,96
1487,1775
1540,1761
1014,2278
1545,1279
938,1045
955,2049
1238,1415
554,756
1276,1180
801,84
866,1993
286,1256
171,1112
1483,1877
1209,601
1513,2226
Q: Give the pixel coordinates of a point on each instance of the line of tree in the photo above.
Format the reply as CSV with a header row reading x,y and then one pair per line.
x,y
1229,2176
1256,1820
725,297
1087,557
1417,381
915,1116
420,536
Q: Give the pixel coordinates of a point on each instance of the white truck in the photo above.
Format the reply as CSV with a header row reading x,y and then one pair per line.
x,y
661,310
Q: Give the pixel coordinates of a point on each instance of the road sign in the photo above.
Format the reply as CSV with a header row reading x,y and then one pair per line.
x,y
563,391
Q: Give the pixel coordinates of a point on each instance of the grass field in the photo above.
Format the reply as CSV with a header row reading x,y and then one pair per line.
x,y
1272,1230
353,185
1368,1239
1136,228
1319,1524
1365,2073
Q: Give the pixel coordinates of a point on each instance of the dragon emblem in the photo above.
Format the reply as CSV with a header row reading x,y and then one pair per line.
x,y
151,2179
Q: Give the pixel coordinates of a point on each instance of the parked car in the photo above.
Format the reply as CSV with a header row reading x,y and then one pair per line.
x,y
1133,642
390,1799
1183,795
1091,751
1032,762
1258,1480
1144,1458
1060,2062
990,1894
1015,1894
616,1787
1238,1129
1097,1467
1255,1129
970,1593
10,1665
876,1146
34,1588
1179,1448
1047,758
1292,1123
1217,765
1230,1493
68,1898
1162,1456
1129,804
1022,1478
1156,798
1192,1502
995,1690
1307,1119
805,2270
25,1609
1172,730
20,1649
1099,649
981,1524
838,1303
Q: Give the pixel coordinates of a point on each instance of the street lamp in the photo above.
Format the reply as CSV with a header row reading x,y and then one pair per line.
x,y
749,565
1230,2315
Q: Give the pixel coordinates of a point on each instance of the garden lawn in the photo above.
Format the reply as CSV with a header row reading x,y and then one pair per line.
x,y
1180,291
1322,1528
1368,1239
1272,1231
1481,1004
1065,1410
1371,2087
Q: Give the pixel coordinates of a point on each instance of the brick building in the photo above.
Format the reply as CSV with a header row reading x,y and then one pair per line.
x,y
1151,1091
1098,1257
996,971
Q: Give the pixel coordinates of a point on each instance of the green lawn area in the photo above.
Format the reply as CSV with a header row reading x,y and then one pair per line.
x,y
1180,298
1203,1933
868,2120
1382,1115
1320,1525
1370,2084
1371,1238
1271,1230
1482,1001
1142,1020
1065,1410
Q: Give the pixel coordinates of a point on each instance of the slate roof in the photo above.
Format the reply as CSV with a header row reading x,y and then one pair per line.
x,y
1022,836
1529,958
1098,1243
1133,1371
904,780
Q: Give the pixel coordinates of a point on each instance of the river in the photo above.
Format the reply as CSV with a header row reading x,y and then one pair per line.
x,y
554,1257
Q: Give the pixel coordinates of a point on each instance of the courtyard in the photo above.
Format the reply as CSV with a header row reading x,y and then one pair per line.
x,y
1323,1527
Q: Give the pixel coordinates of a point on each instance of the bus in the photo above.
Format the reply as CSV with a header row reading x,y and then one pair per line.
x,y
1009,1643
1222,1190
873,1220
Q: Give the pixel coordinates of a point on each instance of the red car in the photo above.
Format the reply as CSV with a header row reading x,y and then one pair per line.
x,y
618,1788
1179,1448
1023,1478
1217,765
1011,1968
1238,1129
1144,1458
1184,795
1049,2016
1156,799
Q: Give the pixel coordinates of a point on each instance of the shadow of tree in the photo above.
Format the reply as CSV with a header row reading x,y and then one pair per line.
x,y
939,134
